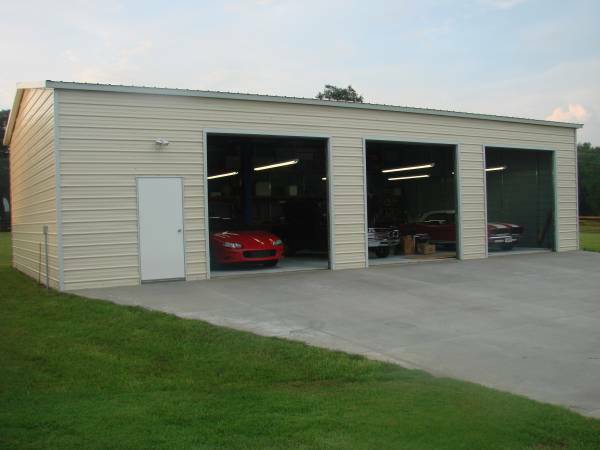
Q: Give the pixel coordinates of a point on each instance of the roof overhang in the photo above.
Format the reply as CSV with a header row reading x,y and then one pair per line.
x,y
14,111
49,84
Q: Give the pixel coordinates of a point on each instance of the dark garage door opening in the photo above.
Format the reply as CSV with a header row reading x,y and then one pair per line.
x,y
411,201
520,200
267,203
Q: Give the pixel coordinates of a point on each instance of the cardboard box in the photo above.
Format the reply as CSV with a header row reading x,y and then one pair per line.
x,y
408,245
425,249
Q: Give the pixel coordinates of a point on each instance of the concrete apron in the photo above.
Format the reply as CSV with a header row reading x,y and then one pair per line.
x,y
528,324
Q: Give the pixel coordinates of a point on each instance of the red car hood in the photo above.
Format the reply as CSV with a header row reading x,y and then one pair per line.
x,y
500,226
248,239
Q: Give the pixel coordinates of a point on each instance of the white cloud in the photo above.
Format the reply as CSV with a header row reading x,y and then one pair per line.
x,y
573,113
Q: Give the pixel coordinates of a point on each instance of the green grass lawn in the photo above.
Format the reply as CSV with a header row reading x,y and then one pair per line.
x,y
590,235
77,373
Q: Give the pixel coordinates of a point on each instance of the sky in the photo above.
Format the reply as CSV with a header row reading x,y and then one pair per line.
x,y
527,58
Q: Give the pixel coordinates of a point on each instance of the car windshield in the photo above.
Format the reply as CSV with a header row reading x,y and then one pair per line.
x,y
440,218
219,224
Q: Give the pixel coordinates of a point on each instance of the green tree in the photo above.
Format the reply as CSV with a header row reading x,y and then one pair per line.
x,y
4,176
589,179
340,94
4,113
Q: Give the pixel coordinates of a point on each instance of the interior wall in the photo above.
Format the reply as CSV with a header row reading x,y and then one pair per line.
x,y
523,193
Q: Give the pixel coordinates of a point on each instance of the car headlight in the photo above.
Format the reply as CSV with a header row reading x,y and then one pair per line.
x,y
277,242
232,245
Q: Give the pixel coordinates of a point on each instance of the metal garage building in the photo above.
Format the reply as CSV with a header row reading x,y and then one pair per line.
x,y
80,153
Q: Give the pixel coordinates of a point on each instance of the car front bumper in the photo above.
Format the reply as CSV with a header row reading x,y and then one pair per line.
x,y
499,239
374,243
226,255
383,238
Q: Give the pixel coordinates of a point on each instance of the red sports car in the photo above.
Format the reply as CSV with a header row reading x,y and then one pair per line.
x,y
245,246
440,228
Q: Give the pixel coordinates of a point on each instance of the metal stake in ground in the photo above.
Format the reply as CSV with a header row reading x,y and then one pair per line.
x,y
46,256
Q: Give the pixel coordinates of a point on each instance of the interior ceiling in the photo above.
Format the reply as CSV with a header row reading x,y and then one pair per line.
x,y
404,201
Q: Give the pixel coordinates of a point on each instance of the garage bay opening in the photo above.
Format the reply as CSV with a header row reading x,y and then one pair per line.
x,y
520,200
411,201
267,203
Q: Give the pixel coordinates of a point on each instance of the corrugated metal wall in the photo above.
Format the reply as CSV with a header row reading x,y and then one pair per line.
x,y
107,138
33,185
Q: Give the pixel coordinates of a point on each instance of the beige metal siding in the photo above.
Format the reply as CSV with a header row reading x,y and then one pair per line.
x,y
107,138
566,180
472,201
99,202
33,185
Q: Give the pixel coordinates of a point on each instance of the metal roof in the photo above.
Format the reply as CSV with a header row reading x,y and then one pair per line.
x,y
49,84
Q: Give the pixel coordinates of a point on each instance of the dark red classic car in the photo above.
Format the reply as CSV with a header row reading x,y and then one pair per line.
x,y
230,243
440,228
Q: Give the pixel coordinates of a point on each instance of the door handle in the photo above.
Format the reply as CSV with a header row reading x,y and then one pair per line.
x,y
179,230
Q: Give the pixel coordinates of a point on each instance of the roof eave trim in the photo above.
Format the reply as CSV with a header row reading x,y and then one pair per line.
x,y
12,117
14,111
294,100
33,84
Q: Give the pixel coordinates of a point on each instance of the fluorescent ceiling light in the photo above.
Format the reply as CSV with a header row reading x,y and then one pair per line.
x,y
221,175
495,169
403,169
408,178
280,164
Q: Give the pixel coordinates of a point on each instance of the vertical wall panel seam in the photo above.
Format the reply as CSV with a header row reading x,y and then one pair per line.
x,y
331,203
485,206
205,196
183,217
557,195
57,171
137,230
365,201
458,186
576,150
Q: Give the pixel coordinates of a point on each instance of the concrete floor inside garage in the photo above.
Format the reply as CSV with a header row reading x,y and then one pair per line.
x,y
439,255
518,251
527,324
287,264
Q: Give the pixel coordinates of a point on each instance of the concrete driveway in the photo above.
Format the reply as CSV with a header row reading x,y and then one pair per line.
x,y
529,324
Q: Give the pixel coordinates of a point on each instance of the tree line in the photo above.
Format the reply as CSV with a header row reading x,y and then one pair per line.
x,y
4,178
588,162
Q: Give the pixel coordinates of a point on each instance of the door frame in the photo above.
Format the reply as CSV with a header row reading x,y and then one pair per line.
x,y
457,177
277,134
555,218
137,217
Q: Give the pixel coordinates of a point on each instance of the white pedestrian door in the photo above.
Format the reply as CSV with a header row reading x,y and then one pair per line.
x,y
160,215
